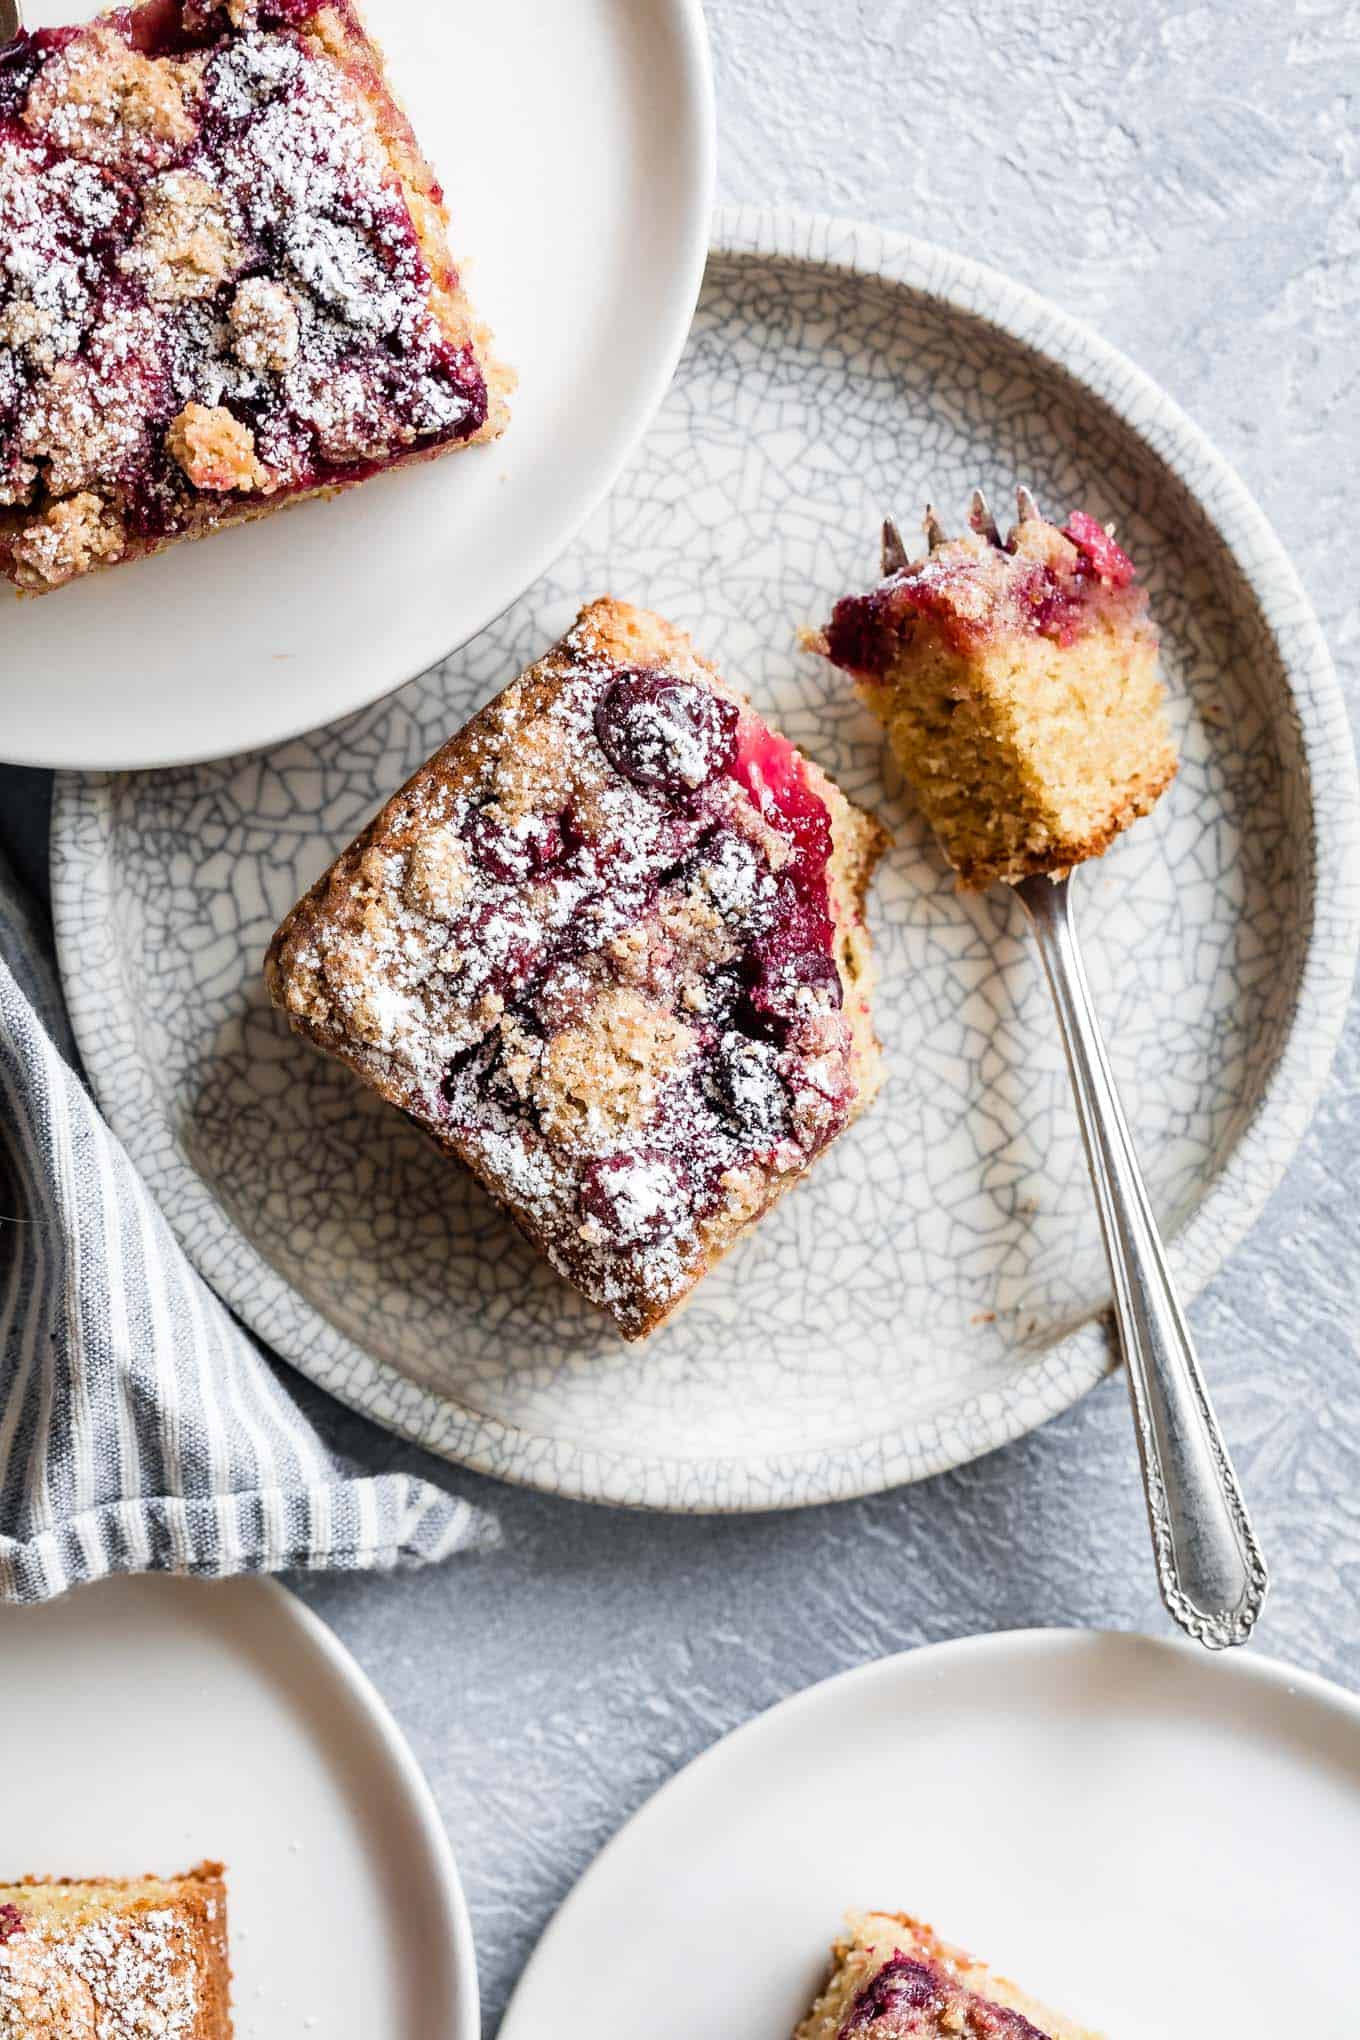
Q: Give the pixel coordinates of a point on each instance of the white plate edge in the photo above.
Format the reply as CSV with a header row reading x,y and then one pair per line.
x,y
376,1714
468,2006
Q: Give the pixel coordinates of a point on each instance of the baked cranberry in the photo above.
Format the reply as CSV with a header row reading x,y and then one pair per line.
x,y
475,1078
513,854
170,28
286,13
782,984
634,1197
865,632
563,995
1094,543
19,63
459,367
665,734
502,947
999,2022
902,1985
466,1071
749,1092
1052,605
734,877
11,1922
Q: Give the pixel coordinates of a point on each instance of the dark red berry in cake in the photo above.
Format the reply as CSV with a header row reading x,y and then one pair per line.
x,y
746,1080
19,62
665,734
633,1197
1094,543
11,1922
785,984
865,632
733,876
466,1074
902,1985
906,1986
999,2022
1052,605
564,995
501,947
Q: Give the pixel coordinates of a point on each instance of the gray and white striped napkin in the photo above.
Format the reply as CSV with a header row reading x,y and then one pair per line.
x,y
141,1429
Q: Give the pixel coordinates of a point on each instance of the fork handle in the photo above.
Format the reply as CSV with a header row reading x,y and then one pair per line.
x,y
1210,1569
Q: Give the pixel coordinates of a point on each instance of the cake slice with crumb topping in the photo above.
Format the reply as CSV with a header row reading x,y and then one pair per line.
x,y
608,948
1019,687
225,280
892,1978
131,1958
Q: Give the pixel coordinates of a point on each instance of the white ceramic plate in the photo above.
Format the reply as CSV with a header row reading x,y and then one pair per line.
x,y
156,1722
1152,1840
575,141
933,1291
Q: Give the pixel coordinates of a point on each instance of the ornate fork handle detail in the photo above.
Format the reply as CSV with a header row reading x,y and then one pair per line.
x,y
1212,1575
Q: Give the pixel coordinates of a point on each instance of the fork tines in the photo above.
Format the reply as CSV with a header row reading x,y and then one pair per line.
x,y
980,519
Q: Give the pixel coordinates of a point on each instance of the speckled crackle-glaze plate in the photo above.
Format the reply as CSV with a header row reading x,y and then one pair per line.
x,y
936,1287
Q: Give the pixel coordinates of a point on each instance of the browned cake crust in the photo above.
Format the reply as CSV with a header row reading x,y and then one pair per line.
x,y
892,1975
118,1958
1019,686
80,515
628,1034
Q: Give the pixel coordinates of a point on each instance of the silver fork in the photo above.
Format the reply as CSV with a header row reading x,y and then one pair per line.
x,y
1212,1575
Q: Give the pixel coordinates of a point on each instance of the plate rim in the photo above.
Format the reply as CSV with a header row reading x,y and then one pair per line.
x,y
467,2007
1267,1672
692,27
345,1668
1071,1366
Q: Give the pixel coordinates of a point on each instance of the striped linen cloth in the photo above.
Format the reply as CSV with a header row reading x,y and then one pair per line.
x,y
141,1429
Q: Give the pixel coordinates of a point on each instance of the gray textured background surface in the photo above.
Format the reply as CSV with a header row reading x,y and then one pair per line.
x,y
1186,179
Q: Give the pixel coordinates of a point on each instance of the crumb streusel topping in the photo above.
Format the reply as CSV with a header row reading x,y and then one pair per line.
x,y
603,962
198,215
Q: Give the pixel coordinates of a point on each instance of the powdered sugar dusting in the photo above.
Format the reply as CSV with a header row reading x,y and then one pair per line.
x,y
129,1975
